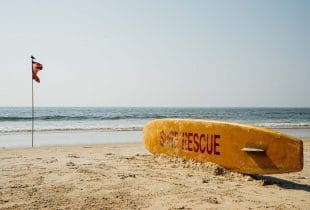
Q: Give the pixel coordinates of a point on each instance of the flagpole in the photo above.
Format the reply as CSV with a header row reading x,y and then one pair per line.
x,y
34,76
32,100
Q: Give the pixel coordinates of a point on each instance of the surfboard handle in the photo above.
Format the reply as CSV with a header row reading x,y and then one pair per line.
x,y
252,149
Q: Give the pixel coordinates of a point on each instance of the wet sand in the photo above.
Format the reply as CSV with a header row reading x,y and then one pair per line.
x,y
126,176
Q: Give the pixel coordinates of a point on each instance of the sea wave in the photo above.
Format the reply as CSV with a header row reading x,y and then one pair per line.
x,y
14,119
305,125
103,129
59,128
80,118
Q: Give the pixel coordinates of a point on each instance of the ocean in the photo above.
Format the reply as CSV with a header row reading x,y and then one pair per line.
x,y
131,120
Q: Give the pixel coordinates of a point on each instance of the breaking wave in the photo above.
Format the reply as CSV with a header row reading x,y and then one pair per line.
x,y
103,129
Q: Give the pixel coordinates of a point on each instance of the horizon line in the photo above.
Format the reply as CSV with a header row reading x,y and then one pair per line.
x,y
157,106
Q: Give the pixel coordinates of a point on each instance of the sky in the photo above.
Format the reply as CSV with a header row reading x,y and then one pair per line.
x,y
156,53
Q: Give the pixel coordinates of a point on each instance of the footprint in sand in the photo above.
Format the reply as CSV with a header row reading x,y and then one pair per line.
x,y
71,165
73,156
125,176
52,161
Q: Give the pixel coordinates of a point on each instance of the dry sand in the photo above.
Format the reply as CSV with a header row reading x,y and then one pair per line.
x,y
128,177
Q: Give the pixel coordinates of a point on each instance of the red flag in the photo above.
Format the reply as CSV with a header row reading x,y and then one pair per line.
x,y
36,67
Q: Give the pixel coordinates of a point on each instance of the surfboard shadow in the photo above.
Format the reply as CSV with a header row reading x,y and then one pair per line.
x,y
262,160
269,180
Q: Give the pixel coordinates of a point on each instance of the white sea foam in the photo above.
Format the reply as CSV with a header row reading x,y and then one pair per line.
x,y
109,119
51,128
285,125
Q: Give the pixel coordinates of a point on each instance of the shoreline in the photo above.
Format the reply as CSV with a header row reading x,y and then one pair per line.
x,y
69,138
64,138
132,128
127,176
304,139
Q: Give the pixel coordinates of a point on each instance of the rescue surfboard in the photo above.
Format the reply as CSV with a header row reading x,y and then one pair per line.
x,y
238,147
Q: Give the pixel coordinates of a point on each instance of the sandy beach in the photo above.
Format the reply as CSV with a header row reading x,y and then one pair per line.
x,y
126,176
89,88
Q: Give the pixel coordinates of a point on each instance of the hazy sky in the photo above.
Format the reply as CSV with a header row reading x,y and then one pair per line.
x,y
156,53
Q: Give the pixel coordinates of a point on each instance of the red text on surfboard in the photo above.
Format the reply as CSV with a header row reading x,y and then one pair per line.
x,y
169,139
203,143
192,142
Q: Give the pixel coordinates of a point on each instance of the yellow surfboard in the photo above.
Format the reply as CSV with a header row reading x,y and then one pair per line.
x,y
241,148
